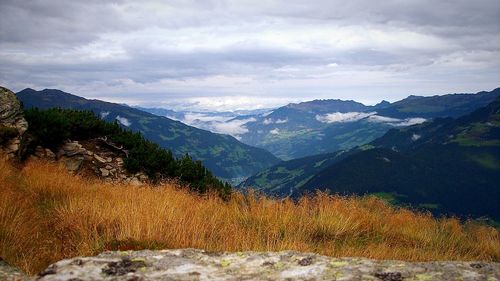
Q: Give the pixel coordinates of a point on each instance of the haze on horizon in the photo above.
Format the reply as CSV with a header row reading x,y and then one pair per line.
x,y
230,55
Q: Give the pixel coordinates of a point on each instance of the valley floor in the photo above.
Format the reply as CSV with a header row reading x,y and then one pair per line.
x,y
47,214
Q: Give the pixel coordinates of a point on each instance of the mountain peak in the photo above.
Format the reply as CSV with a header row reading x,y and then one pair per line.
x,y
328,105
382,104
412,97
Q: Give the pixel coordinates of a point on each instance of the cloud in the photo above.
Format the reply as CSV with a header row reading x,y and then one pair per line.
x,y
269,121
104,114
226,103
193,117
338,117
412,121
343,117
395,121
124,121
223,123
275,131
383,119
234,127
208,54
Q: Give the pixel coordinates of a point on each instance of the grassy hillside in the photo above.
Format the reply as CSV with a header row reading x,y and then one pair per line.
x,y
285,178
448,166
225,156
47,214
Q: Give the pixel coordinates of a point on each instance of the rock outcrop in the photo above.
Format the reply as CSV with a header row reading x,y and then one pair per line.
x,y
98,157
93,157
190,264
12,122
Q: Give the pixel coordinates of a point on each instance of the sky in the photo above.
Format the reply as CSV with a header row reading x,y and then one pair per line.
x,y
246,54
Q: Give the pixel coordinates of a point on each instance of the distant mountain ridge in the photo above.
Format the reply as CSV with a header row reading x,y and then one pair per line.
x,y
325,126
327,106
225,156
451,105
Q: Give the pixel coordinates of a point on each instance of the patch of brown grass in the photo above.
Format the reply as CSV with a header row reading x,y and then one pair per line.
x,y
47,214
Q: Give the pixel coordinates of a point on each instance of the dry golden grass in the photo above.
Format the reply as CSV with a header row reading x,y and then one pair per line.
x,y
47,215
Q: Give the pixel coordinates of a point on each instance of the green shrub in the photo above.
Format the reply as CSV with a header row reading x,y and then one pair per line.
x,y
7,133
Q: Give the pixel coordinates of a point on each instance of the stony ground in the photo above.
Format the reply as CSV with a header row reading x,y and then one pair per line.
x,y
190,264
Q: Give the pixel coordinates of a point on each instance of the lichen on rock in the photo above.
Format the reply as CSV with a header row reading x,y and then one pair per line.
x,y
191,264
12,122
11,113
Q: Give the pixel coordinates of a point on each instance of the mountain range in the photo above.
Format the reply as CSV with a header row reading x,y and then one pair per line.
x,y
222,154
446,165
325,126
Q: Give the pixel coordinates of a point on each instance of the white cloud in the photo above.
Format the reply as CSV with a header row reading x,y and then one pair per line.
x,y
104,114
343,117
223,123
383,119
193,117
415,137
275,131
269,121
234,127
338,117
225,103
412,121
217,123
124,121
395,121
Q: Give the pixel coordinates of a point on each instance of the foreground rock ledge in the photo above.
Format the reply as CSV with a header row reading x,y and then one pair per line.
x,y
190,264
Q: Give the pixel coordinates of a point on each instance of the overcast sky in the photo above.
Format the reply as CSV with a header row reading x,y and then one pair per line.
x,y
249,54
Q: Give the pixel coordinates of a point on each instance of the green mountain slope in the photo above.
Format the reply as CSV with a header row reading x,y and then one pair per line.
x,y
225,156
296,130
451,105
448,166
296,143
286,177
